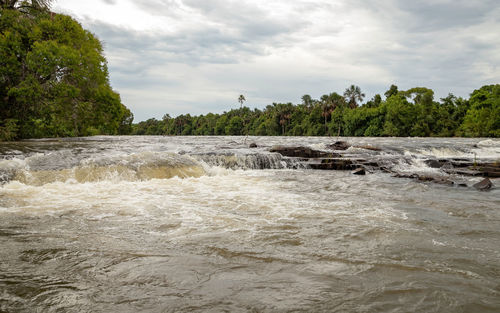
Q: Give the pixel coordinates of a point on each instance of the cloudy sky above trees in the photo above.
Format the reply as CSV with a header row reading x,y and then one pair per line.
x,y
198,56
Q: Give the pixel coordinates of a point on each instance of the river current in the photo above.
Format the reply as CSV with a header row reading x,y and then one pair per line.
x,y
207,224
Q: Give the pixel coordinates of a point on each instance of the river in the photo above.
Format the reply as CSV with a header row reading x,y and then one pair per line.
x,y
207,224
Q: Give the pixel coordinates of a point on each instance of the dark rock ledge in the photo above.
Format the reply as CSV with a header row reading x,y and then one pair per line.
x,y
321,160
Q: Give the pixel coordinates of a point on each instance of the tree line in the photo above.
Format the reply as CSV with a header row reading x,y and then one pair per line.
x,y
53,77
412,112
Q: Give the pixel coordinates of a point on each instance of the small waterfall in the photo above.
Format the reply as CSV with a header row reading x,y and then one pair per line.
x,y
48,168
249,161
44,169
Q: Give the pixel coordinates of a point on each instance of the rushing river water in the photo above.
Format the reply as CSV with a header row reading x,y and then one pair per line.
x,y
206,224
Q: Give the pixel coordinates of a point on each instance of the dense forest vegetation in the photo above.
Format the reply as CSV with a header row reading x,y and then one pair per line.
x,y
413,112
53,77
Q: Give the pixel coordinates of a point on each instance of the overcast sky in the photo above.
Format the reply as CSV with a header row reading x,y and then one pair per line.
x,y
198,56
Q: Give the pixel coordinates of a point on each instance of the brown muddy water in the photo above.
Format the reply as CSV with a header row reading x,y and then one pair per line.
x,y
206,224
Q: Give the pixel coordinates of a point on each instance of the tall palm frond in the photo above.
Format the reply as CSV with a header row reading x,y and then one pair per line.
x,y
17,4
353,94
241,99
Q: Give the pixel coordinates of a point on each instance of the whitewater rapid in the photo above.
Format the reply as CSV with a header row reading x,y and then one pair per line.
x,y
207,224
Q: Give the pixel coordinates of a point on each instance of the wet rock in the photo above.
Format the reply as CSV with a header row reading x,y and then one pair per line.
x,y
447,166
460,162
465,172
435,179
443,181
252,145
302,152
461,184
369,163
483,185
369,148
490,170
470,169
433,163
339,145
404,175
359,171
442,164
332,164
425,178
388,170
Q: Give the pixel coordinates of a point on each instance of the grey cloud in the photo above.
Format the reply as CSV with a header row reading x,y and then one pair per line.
x,y
428,15
159,7
438,16
205,46
424,43
438,42
226,37
111,2
249,21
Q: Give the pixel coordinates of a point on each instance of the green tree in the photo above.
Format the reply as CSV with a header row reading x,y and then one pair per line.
x,y
483,117
235,126
241,99
353,94
308,102
399,117
54,77
374,102
393,90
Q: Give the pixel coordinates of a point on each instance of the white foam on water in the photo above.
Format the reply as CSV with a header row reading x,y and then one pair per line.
x,y
231,200
438,243
489,143
487,149
14,163
319,146
40,169
412,164
446,152
8,168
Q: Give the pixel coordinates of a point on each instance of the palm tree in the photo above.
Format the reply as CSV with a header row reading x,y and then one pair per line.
x,y
353,94
284,111
241,99
8,4
35,4
308,102
327,108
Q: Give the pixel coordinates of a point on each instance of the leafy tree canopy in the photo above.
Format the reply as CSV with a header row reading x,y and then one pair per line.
x,y
53,77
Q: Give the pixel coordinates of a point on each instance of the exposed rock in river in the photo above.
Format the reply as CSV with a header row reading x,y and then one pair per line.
x,y
490,170
343,145
433,163
302,152
368,148
448,169
483,185
332,164
359,171
339,145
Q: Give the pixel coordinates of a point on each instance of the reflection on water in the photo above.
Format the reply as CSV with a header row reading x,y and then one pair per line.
x,y
107,225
